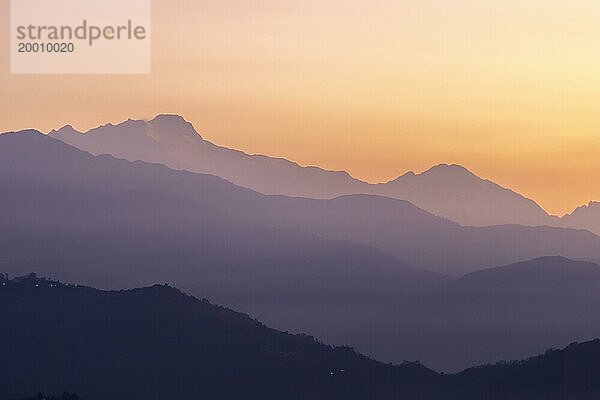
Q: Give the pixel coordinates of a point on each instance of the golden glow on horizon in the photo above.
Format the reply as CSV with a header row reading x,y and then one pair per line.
x,y
509,89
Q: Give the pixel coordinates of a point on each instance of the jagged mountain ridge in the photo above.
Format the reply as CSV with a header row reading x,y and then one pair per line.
x,y
585,217
449,191
172,141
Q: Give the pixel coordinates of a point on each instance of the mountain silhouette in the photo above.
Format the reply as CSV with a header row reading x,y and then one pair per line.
x,y
160,343
456,193
511,311
417,237
585,217
172,141
544,274
157,342
326,267
449,191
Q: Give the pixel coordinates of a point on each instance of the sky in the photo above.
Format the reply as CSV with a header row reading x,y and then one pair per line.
x,y
510,89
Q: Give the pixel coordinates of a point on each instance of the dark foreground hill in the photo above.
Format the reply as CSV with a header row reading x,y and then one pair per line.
x,y
63,396
158,343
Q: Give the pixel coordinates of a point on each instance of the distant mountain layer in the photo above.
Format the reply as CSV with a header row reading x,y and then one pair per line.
x,y
496,314
158,343
449,191
505,312
172,141
328,267
396,227
585,217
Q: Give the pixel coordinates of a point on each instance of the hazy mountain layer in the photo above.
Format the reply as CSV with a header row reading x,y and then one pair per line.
x,y
446,190
505,313
172,141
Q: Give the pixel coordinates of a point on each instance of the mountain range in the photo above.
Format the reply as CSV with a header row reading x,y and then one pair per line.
x,y
363,270
157,343
449,191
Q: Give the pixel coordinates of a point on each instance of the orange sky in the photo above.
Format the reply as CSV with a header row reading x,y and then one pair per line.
x,y
510,88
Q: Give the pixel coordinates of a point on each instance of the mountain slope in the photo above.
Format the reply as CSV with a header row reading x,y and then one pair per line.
x,y
448,191
505,312
417,237
459,195
585,217
556,375
556,275
172,141
157,342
